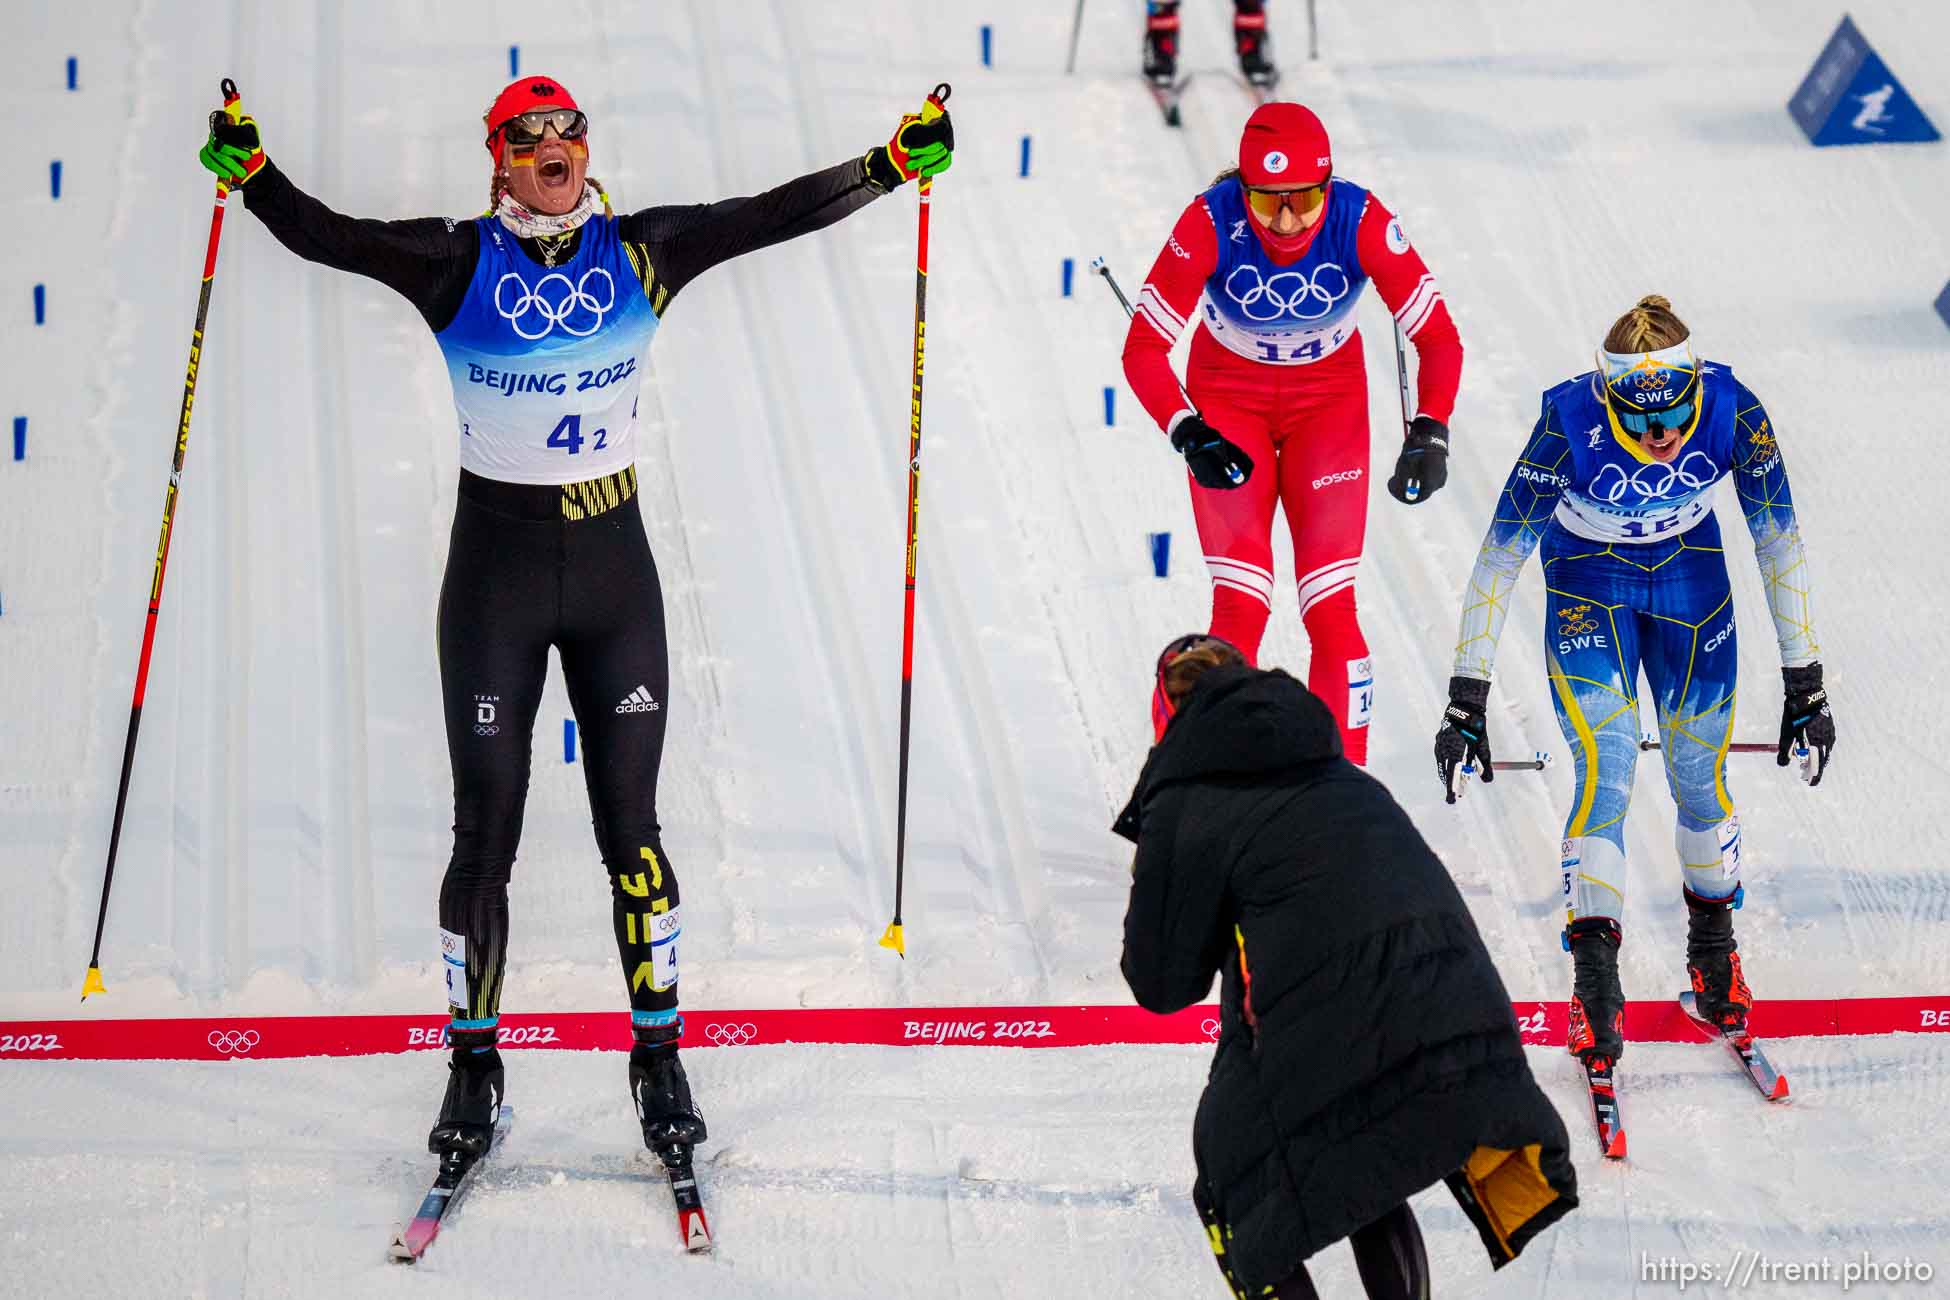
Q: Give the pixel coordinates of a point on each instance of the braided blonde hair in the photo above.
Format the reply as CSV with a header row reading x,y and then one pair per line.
x,y
1649,326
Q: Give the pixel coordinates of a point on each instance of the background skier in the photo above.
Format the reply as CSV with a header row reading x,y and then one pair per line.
x,y
1616,484
1273,258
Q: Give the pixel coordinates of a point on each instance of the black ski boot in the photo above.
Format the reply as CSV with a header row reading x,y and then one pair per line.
x,y
663,1095
1597,1002
1255,46
1161,42
473,1102
1720,991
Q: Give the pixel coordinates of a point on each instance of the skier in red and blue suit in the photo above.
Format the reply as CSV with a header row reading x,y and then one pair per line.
x,y
1272,259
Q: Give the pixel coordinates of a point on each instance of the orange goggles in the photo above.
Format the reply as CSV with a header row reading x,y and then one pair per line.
x,y
1266,204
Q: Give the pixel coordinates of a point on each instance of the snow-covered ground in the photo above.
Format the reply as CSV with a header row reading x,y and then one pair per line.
x,y
289,813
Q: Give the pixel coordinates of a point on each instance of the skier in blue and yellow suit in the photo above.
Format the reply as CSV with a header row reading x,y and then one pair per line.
x,y
1616,483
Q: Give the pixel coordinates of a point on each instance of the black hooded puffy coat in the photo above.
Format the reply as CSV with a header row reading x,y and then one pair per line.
x,y
1367,1048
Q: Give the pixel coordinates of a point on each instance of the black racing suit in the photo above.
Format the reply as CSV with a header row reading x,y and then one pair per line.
x,y
564,565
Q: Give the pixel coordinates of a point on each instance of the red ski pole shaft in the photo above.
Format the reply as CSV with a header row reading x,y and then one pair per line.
x,y
92,982
894,937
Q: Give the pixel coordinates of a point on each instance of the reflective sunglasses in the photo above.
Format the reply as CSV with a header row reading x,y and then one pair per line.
x,y
1266,204
1641,422
524,131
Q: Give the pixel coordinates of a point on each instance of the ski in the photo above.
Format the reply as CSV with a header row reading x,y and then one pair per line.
x,y
1167,95
692,1226
1772,1084
1605,1109
456,1176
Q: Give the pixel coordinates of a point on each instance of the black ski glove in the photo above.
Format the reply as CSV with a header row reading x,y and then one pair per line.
x,y
1423,466
1462,745
1806,724
1215,461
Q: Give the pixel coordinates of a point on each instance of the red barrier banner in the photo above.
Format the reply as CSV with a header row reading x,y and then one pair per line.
x,y
199,1038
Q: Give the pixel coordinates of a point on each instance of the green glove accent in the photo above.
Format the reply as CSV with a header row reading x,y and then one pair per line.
x,y
233,151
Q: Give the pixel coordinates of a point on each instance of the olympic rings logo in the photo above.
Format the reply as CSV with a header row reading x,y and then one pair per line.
x,y
731,1035
1210,1028
554,309
1289,293
1693,472
1651,379
233,1042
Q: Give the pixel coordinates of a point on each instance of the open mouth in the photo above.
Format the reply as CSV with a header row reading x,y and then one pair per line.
x,y
553,171
1661,442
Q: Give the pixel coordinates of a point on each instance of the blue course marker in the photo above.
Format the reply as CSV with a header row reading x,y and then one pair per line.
x,y
54,177
1110,405
20,437
514,62
71,72
568,740
1069,274
1025,155
988,43
1160,553
40,304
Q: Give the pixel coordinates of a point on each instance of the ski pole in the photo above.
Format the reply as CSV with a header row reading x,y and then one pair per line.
x,y
1537,762
1102,268
1737,747
1076,28
92,982
894,938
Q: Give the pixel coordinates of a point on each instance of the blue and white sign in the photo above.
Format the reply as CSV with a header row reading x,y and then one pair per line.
x,y
1851,97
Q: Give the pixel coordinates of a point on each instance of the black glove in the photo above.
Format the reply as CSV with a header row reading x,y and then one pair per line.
x,y
1464,738
1806,723
1423,466
1214,461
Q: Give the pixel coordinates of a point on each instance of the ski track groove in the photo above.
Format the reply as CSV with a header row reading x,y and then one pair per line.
x,y
840,654
1019,873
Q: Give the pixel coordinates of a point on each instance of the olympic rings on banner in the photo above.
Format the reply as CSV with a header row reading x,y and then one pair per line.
x,y
1210,1028
1693,472
233,1042
554,309
1288,293
731,1035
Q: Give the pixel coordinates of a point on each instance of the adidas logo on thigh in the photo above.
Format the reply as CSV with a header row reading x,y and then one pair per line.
x,y
638,701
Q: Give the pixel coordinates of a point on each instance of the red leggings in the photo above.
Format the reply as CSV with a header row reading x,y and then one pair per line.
x,y
1306,429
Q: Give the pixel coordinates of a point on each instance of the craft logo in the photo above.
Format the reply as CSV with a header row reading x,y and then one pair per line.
x,y
729,1035
1544,476
1719,638
544,88
233,1042
1576,621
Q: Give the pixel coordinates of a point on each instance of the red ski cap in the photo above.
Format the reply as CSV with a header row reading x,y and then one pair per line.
x,y
1284,145
524,96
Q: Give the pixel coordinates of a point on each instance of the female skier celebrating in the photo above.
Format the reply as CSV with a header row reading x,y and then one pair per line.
x,y
1616,483
543,307
1274,256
